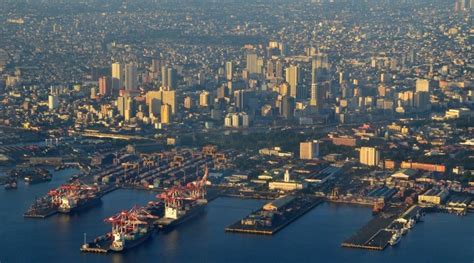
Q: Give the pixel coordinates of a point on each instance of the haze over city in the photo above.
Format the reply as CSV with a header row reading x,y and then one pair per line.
x,y
236,131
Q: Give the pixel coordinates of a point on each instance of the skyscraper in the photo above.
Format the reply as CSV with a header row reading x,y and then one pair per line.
x,y
131,78
319,72
278,69
287,108
252,63
169,97
229,70
117,76
270,69
164,76
104,86
293,77
165,114
172,79
126,107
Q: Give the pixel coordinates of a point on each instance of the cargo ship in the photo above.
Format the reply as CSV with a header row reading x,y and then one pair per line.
x,y
75,204
129,229
75,197
183,203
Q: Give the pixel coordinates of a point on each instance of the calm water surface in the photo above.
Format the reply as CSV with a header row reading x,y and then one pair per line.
x,y
315,237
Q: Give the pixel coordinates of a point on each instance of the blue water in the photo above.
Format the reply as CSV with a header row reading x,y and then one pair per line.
x,y
315,237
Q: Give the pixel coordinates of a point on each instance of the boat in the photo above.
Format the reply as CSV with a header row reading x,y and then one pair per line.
x,y
128,240
176,216
130,229
183,203
396,237
73,197
410,224
11,184
73,204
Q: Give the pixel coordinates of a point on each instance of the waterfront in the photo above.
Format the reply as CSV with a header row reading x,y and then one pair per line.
x,y
316,235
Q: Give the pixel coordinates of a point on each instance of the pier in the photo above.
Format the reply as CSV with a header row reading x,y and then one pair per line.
x,y
275,215
376,234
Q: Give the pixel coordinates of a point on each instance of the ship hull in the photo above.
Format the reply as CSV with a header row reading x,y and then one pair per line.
x,y
129,244
193,212
80,207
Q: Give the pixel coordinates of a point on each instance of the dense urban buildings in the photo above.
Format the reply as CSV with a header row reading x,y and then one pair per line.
x,y
360,102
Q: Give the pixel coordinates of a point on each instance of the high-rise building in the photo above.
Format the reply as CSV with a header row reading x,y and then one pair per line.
x,y
284,89
188,103
229,70
204,99
252,63
155,68
278,69
287,108
319,72
293,77
53,102
126,107
105,84
172,79
131,77
164,76
270,69
169,97
153,101
421,100
309,150
117,76
319,61
422,85
165,114
93,93
369,156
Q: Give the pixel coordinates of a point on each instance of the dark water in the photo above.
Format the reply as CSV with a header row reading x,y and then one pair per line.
x,y
315,237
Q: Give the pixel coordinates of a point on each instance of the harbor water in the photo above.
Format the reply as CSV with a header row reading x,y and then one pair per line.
x,y
315,237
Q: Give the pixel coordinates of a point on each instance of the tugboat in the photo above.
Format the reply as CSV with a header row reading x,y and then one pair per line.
x,y
11,185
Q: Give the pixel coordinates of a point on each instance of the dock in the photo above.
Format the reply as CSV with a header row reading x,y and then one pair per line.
x,y
42,214
99,245
376,234
275,215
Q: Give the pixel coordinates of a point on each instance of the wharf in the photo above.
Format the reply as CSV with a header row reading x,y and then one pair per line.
x,y
42,214
374,235
98,245
271,223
